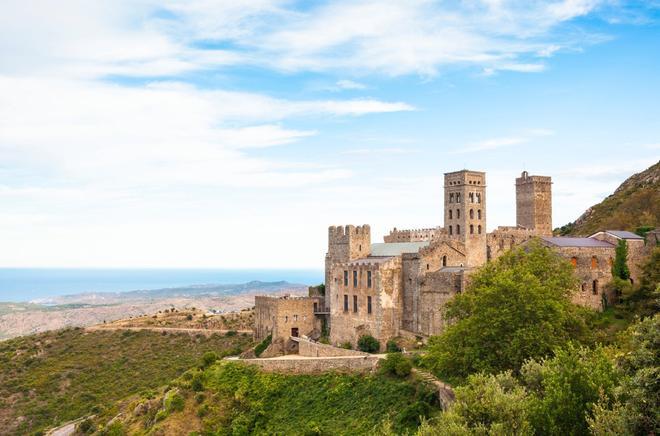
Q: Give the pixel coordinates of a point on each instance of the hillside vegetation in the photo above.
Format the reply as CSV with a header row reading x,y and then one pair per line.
x,y
635,204
51,378
232,398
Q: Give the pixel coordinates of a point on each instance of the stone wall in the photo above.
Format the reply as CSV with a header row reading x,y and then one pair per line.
x,y
279,316
298,365
350,322
437,289
315,349
504,238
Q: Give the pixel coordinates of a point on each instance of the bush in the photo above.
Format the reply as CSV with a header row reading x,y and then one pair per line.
x,y
197,383
173,402
368,344
231,333
346,345
189,317
396,364
262,345
209,358
392,347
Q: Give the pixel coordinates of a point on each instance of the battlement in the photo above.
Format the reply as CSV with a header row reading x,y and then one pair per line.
x,y
526,178
342,233
413,235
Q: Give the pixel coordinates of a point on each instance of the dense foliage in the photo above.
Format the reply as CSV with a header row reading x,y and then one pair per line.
x,y
517,307
54,377
620,267
261,347
368,344
396,364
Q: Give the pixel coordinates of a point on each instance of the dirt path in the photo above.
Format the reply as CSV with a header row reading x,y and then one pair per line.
x,y
167,329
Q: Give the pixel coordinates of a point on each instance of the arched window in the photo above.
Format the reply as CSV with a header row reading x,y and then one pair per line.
x,y
450,232
450,213
478,197
584,287
458,213
428,266
471,197
451,197
471,229
444,260
594,287
479,228
458,229
479,214
458,197
574,261
471,213
594,262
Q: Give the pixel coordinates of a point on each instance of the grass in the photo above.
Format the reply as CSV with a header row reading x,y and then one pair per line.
x,y
51,378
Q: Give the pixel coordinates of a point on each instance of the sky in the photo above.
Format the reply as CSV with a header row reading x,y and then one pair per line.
x,y
225,134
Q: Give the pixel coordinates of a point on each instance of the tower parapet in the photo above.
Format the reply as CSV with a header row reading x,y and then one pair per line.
x,y
534,203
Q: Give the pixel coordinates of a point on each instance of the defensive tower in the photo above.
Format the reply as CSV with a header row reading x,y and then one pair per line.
x,y
534,203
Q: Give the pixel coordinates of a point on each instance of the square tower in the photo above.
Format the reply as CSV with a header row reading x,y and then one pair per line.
x,y
534,203
465,213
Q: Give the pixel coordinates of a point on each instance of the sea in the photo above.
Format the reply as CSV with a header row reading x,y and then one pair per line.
x,y
40,284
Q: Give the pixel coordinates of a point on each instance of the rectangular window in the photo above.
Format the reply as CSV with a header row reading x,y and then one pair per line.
x,y
368,279
345,303
355,279
369,304
345,278
355,303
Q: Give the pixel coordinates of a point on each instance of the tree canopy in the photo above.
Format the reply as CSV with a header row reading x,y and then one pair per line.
x,y
515,308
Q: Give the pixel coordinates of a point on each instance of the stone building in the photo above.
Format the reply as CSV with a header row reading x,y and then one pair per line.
x,y
286,316
400,286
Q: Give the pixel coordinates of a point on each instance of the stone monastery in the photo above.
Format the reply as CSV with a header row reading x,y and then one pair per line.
x,y
401,285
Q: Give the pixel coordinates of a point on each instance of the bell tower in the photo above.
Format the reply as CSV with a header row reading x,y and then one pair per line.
x,y
465,212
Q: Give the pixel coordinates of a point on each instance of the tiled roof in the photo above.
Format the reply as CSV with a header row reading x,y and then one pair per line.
x,y
561,241
396,248
622,234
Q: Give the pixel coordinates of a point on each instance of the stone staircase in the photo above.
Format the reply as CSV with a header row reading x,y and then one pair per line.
x,y
445,392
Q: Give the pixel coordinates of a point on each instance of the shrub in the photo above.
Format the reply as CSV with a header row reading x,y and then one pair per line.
x,y
189,317
368,344
346,345
392,347
263,345
231,333
197,383
209,358
173,402
396,364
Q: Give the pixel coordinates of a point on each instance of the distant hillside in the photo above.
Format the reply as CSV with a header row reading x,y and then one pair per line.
x,y
634,204
54,377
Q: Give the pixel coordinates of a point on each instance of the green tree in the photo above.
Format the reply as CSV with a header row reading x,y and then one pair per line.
x,y
620,266
637,409
396,364
368,344
566,388
485,405
517,307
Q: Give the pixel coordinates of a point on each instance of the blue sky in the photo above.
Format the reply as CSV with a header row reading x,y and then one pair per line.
x,y
231,134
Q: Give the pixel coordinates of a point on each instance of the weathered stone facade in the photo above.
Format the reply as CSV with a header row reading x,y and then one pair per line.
x,y
403,284
283,317
534,203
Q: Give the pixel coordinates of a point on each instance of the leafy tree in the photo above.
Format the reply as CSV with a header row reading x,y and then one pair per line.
x,y
396,364
620,266
566,387
637,409
263,345
368,344
515,308
209,358
392,346
485,405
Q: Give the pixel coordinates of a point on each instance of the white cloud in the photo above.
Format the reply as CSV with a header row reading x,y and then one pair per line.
x,y
505,141
349,84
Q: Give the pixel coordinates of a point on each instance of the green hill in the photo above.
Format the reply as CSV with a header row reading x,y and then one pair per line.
x,y
634,205
54,377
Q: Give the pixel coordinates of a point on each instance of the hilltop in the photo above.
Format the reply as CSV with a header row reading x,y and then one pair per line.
x,y
634,204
